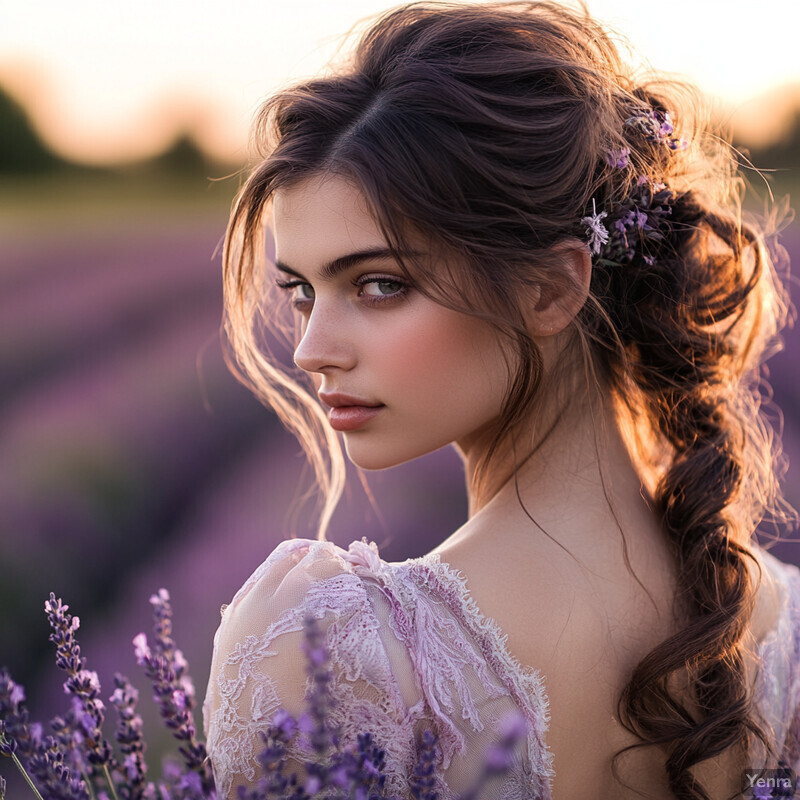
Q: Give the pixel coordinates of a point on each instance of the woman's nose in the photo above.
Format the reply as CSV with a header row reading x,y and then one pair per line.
x,y
324,345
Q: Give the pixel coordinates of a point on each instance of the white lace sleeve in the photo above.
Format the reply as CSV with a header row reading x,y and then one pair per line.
x,y
258,665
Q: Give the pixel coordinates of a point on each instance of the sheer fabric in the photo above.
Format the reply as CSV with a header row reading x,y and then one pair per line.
x,y
410,649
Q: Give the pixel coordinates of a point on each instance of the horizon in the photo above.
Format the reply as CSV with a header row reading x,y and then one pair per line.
x,y
104,84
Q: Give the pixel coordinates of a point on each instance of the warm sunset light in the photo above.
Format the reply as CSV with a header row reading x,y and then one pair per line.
x,y
569,408
113,80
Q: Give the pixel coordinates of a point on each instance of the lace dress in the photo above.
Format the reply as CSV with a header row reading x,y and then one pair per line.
x,y
410,649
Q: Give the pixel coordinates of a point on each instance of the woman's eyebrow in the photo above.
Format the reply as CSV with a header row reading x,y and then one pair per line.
x,y
342,263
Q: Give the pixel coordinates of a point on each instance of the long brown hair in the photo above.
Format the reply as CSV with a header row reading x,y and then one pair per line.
x,y
486,130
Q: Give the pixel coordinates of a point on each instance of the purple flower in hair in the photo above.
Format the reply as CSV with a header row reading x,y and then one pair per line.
x,y
595,230
618,158
656,126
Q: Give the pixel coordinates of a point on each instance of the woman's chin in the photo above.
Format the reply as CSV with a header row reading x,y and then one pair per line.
x,y
375,459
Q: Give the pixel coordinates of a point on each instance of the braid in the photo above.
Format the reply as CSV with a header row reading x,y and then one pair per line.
x,y
681,328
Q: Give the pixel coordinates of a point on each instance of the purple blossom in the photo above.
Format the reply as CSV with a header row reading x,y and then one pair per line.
x,y
81,683
75,763
173,691
17,694
191,782
514,727
656,126
179,699
320,701
595,230
640,224
356,770
497,759
140,649
15,732
70,737
618,159
129,735
285,722
52,775
8,745
500,757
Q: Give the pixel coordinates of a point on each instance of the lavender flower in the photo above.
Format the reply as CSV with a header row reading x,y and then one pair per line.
x,y
595,230
173,689
70,738
129,736
656,126
53,776
7,745
17,735
423,778
356,770
23,744
81,683
641,223
320,702
500,757
618,159
13,716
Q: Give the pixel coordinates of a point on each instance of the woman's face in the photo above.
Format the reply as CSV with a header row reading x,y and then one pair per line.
x,y
398,374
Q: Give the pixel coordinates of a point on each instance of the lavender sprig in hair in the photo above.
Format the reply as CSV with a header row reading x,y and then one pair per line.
x,y
642,221
596,231
656,126
639,223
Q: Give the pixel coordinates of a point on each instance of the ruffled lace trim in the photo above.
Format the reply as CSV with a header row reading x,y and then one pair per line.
x,y
526,684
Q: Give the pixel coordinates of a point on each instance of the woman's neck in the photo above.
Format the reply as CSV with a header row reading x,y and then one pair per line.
x,y
569,454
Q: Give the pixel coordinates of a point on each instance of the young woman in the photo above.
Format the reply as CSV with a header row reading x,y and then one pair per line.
x,y
491,235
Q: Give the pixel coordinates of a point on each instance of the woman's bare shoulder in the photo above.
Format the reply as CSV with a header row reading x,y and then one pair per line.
x,y
586,643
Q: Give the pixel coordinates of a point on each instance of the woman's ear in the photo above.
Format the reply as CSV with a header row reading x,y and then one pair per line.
x,y
555,304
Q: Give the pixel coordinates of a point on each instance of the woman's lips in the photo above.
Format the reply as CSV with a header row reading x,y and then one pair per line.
x,y
347,413
351,418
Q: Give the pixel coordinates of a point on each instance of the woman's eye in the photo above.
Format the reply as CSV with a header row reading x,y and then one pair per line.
x,y
303,291
299,291
382,287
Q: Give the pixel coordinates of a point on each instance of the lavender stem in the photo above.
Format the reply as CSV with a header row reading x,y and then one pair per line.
x,y
110,782
25,775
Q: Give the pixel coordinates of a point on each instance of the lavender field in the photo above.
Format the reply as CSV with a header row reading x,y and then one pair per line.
x,y
132,460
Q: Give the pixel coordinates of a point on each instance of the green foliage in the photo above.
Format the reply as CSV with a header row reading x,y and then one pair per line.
x,y
21,149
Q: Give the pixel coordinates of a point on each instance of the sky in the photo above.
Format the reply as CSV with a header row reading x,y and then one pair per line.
x,y
109,79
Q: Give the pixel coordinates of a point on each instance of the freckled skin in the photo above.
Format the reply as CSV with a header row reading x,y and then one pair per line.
x,y
440,375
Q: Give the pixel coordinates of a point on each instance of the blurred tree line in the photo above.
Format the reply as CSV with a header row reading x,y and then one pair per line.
x,y
22,151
